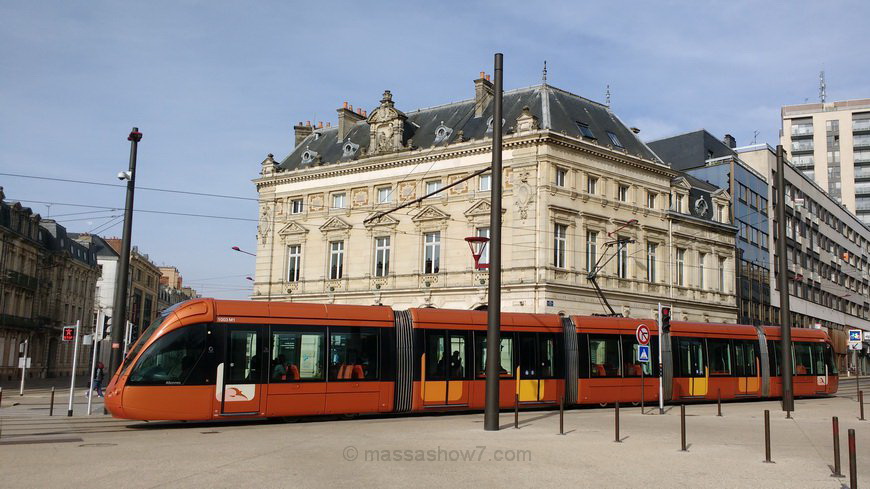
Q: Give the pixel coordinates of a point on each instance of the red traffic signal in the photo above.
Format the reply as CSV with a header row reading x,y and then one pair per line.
x,y
666,318
69,333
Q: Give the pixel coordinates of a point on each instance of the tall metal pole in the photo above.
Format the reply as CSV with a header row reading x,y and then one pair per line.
x,y
72,379
24,365
493,333
784,311
119,310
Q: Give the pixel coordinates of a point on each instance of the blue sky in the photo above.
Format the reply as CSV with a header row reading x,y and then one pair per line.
x,y
214,86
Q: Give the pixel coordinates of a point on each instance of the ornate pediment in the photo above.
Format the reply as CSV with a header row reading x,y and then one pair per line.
x,y
479,208
334,224
682,183
430,213
383,221
386,129
292,228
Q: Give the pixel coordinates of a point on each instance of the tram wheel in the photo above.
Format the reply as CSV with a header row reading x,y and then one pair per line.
x,y
602,404
633,403
350,416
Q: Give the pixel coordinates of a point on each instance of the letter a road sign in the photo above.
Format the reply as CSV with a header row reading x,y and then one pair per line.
x,y
643,353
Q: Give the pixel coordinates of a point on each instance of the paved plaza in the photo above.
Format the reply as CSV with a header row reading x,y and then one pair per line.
x,y
433,450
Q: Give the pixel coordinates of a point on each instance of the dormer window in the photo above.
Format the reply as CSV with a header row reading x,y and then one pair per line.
x,y
489,124
442,133
309,156
584,130
349,149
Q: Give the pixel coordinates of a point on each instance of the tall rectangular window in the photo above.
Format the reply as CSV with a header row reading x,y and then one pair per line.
x,y
296,206
432,252
385,195
651,200
651,249
721,274
591,185
561,176
560,242
485,182
484,257
622,193
702,257
336,259
338,201
622,257
294,262
681,263
382,256
591,250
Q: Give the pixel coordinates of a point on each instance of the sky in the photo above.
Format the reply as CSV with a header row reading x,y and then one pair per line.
x,y
214,86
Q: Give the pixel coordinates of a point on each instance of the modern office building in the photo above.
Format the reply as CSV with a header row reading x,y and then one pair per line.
x,y
828,254
830,143
705,157
582,195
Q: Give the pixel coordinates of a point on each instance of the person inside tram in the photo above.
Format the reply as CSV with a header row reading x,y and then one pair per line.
x,y
279,371
455,364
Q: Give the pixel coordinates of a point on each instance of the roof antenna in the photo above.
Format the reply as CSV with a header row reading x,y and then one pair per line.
x,y
607,96
755,137
822,86
544,77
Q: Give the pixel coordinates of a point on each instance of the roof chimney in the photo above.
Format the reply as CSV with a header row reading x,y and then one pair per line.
x,y
302,132
730,141
482,94
346,119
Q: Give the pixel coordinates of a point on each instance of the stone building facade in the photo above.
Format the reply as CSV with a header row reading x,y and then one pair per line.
x,y
580,189
46,281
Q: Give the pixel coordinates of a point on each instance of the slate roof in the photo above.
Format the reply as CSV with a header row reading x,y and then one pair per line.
x,y
690,150
556,110
697,182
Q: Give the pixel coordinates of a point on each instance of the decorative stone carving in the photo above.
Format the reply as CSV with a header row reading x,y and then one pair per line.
x,y
407,191
334,224
457,189
360,197
522,199
381,222
265,224
292,228
430,213
315,202
526,121
387,124
269,166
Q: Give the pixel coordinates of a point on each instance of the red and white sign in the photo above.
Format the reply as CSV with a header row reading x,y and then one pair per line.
x,y
69,333
642,334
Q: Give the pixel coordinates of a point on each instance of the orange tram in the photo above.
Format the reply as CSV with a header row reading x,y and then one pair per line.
x,y
213,359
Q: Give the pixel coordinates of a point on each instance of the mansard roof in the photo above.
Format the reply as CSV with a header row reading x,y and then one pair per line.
x,y
557,111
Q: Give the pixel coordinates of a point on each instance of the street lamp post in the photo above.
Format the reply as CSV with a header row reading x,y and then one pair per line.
x,y
236,248
493,328
119,309
784,311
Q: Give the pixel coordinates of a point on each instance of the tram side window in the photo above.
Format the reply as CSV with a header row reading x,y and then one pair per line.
x,y
720,357
631,366
353,355
827,353
774,351
803,358
506,356
690,356
176,358
296,356
745,354
548,356
604,356
583,355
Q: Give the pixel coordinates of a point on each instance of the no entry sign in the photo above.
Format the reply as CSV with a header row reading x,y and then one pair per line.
x,y
642,334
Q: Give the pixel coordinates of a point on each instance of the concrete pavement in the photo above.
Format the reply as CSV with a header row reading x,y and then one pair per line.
x,y
438,450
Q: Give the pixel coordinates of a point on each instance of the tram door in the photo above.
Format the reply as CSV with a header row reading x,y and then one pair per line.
x,y
537,357
446,368
241,371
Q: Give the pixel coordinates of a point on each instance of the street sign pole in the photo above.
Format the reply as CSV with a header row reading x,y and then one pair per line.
x,y
93,366
24,365
661,369
72,382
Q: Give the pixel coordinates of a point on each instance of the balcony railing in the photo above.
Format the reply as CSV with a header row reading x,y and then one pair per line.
x,y
802,145
805,130
21,280
861,141
861,125
17,321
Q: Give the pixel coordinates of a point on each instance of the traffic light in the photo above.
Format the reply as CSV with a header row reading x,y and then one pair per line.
x,y
666,318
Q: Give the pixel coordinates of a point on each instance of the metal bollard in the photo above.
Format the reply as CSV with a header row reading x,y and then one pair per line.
x,y
616,422
767,459
683,428
562,415
51,406
853,464
861,404
516,411
719,402
836,427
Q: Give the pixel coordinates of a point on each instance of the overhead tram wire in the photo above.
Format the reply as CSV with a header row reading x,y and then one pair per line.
x,y
183,214
153,189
